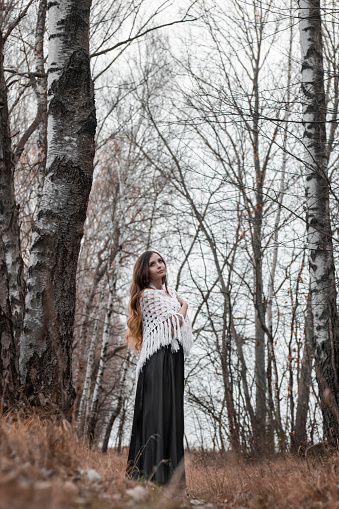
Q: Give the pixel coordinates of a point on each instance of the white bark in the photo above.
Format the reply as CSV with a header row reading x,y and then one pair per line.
x,y
41,92
9,212
8,350
319,235
11,279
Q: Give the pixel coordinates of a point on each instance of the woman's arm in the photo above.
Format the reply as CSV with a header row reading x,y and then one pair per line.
x,y
184,306
183,309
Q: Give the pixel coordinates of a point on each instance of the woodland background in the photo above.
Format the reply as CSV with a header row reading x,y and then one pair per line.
x,y
210,121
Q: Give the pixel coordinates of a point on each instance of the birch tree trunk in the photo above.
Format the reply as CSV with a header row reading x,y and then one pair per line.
x,y
46,347
321,263
9,212
11,279
8,350
41,92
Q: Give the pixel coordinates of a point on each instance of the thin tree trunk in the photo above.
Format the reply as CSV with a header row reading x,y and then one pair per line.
x,y
8,350
299,436
321,263
99,273
46,346
121,427
93,417
274,401
259,368
116,411
81,418
9,212
228,393
41,93
114,414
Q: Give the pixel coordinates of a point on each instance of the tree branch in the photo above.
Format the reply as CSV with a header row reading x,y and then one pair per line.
x,y
131,39
25,137
15,22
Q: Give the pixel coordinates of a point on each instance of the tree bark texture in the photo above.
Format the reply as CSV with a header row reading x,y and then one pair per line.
x,y
8,350
227,380
299,436
85,396
46,347
321,263
93,416
41,92
117,409
9,225
260,361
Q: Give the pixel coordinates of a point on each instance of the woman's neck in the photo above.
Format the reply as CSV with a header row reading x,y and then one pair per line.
x,y
156,284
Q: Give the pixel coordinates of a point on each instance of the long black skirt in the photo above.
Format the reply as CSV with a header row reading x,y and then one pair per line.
x,y
157,447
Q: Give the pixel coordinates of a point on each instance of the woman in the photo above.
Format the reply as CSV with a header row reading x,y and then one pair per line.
x,y
160,331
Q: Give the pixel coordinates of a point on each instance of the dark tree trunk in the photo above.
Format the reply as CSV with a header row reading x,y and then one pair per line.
x,y
299,436
115,412
46,350
260,360
121,428
228,389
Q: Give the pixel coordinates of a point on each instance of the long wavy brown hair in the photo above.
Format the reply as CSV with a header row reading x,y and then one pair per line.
x,y
139,283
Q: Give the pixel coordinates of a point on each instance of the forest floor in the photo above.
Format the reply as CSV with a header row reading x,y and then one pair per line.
x,y
43,465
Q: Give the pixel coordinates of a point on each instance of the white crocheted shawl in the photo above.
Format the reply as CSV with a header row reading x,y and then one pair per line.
x,y
161,324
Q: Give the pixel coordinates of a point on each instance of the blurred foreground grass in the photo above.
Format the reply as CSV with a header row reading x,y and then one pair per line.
x,y
44,465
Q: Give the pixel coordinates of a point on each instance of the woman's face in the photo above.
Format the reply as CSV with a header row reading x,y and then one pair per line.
x,y
156,268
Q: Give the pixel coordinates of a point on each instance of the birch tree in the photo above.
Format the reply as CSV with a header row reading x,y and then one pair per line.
x,y
8,248
40,88
319,235
46,347
11,263
9,212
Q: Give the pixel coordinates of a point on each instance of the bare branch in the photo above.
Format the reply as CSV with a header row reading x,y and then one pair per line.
x,y
15,22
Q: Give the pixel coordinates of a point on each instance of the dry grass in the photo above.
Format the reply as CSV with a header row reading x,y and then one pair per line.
x,y
287,482
43,465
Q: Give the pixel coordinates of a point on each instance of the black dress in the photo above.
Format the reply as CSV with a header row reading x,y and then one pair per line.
x,y
157,446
